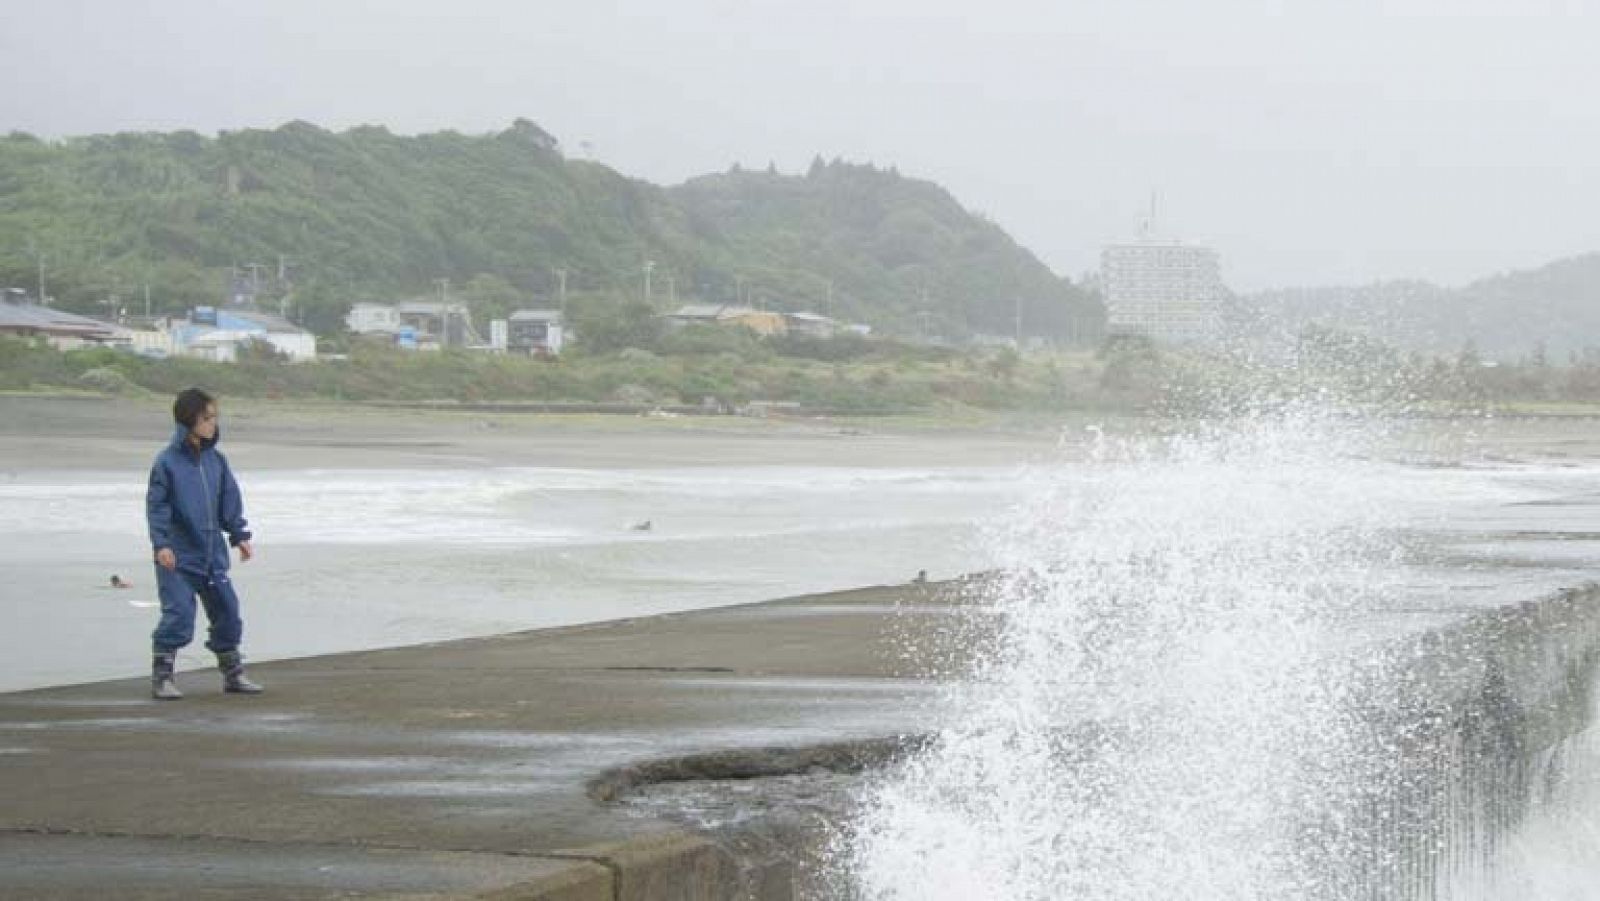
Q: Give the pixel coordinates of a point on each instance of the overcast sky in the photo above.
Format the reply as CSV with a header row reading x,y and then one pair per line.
x,y
1309,142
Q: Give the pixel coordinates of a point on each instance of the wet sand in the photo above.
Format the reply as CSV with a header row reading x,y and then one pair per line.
x,y
90,432
117,434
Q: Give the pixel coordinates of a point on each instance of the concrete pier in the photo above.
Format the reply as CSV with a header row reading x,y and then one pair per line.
x,y
452,770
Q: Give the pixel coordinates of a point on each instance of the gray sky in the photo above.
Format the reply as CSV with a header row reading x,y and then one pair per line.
x,y
1309,142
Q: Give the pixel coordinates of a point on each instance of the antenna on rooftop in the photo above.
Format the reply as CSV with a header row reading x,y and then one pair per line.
x,y
1147,229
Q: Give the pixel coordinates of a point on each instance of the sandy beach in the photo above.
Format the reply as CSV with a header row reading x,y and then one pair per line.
x,y
115,433
91,432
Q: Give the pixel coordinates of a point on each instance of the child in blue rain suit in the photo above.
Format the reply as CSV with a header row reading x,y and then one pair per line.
x,y
194,512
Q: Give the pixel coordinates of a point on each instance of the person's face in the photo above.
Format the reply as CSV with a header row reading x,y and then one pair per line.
x,y
205,425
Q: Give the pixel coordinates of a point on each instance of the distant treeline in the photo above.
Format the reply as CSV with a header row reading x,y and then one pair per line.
x,y
310,221
1553,310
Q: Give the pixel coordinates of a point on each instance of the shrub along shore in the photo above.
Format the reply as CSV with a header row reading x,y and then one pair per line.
x,y
845,376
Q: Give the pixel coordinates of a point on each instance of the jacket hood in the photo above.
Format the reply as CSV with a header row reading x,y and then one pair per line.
x,y
180,436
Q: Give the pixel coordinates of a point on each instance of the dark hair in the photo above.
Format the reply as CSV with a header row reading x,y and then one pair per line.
x,y
190,404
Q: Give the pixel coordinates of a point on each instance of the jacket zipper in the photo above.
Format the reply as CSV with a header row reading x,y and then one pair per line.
x,y
211,513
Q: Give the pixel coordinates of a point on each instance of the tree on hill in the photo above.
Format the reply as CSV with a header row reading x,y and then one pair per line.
x,y
907,252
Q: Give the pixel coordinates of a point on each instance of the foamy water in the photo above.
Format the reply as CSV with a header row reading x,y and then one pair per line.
x,y
1169,708
373,558
525,505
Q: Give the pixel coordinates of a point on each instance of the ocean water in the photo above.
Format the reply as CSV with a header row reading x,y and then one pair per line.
x,y
1185,694
357,558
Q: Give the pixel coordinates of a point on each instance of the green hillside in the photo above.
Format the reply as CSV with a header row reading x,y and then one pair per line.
x,y
328,219
899,252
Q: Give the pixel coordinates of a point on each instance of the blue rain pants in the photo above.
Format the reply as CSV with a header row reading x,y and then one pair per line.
x,y
178,589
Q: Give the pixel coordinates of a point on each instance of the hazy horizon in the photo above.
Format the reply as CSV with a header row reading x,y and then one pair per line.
x,y
1310,145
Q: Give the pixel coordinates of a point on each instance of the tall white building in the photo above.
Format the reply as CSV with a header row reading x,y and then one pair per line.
x,y
1165,290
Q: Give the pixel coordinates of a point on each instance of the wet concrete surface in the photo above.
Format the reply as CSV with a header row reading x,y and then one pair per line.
x,y
162,867
440,768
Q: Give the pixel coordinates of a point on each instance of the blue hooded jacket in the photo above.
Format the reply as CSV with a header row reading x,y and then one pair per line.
x,y
191,501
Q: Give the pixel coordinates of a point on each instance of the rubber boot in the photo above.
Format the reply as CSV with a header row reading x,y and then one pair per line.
x,y
234,681
162,685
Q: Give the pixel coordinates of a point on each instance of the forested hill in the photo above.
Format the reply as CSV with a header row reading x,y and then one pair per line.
x,y
1554,310
896,250
370,215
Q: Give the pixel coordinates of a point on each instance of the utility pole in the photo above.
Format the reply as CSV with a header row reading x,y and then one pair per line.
x,y
38,257
561,278
147,300
738,290
649,266
115,311
444,311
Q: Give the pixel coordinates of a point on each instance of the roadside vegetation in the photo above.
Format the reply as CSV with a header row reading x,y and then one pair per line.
x,y
714,372
732,370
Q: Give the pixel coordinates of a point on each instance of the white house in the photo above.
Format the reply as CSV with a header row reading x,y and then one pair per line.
x,y
536,332
814,325
147,340
373,318
214,334
217,345
415,324
443,324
